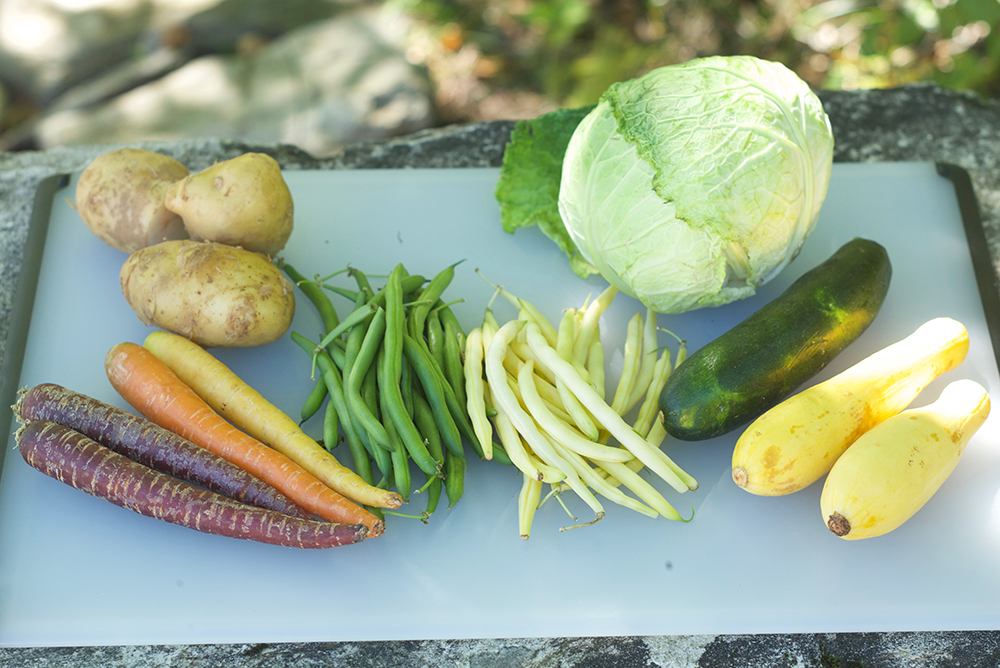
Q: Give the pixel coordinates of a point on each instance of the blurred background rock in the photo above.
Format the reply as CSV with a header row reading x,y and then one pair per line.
x,y
320,74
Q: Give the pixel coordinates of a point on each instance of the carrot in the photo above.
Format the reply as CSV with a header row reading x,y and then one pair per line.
x,y
149,444
78,461
245,408
156,392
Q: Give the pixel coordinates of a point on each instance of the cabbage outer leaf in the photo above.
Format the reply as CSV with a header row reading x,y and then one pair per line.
x,y
528,188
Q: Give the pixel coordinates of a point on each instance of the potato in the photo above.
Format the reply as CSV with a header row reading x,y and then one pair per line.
x,y
240,202
120,197
216,295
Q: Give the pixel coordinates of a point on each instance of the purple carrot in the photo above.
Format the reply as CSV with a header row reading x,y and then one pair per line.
x,y
78,461
148,443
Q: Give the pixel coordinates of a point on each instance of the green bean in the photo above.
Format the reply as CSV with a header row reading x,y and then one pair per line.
x,y
327,313
380,455
406,385
377,298
371,304
323,279
395,322
455,410
369,390
369,395
435,338
429,296
454,481
336,352
400,463
454,344
314,401
331,427
335,385
343,292
394,412
412,283
423,417
363,285
356,317
459,415
401,473
390,365
354,337
447,315
434,485
500,455
364,361
435,393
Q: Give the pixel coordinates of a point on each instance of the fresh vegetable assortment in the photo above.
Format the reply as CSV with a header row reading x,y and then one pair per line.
x,y
217,295
247,410
686,188
890,472
545,389
133,198
149,444
735,378
241,202
71,457
133,217
797,442
155,391
394,374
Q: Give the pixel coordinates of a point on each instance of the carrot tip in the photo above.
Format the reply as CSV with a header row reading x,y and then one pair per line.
x,y
392,500
376,529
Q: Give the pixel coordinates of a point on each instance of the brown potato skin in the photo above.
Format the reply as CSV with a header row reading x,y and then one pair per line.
x,y
216,295
242,202
120,197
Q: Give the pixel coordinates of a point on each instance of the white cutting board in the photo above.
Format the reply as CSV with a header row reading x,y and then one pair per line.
x,y
75,570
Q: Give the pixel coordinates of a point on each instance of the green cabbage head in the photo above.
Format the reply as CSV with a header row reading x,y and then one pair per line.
x,y
696,183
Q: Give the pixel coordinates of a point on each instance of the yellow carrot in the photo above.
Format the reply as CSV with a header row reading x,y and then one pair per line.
x,y
244,407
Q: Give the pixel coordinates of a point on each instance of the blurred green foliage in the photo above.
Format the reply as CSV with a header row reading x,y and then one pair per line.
x,y
569,51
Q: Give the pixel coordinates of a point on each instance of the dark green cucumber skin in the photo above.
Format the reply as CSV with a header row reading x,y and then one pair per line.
x,y
759,362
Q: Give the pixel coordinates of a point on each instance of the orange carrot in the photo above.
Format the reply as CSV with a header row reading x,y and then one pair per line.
x,y
156,392
245,408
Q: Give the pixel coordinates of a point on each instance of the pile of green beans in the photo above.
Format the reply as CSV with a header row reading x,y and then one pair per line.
x,y
391,379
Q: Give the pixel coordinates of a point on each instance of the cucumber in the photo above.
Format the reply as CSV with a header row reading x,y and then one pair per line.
x,y
759,362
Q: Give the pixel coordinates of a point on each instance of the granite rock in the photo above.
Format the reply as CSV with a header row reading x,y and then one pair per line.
x,y
319,86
